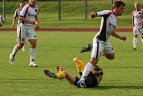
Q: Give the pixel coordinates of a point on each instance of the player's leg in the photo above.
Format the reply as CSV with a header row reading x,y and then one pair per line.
x,y
108,51
96,52
61,75
86,48
24,46
135,40
31,35
20,40
79,64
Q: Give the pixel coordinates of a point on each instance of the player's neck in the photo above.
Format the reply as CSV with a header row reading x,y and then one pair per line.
x,y
32,5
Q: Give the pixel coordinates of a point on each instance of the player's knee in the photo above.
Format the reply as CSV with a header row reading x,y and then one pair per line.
x,y
93,61
20,45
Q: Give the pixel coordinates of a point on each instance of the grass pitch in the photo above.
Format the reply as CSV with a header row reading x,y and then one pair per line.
x,y
122,76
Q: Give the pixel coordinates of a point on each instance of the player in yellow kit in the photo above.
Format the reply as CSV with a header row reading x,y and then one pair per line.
x,y
92,80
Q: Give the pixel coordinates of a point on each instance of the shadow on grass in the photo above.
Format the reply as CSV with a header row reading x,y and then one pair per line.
x,y
117,87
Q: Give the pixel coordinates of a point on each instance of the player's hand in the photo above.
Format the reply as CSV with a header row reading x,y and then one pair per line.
x,y
37,27
93,14
123,38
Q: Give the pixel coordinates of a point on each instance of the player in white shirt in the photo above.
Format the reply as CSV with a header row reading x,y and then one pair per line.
x,y
28,19
100,41
16,16
137,22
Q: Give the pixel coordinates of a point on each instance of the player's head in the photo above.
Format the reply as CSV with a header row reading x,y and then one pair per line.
x,y
118,7
137,6
22,4
32,2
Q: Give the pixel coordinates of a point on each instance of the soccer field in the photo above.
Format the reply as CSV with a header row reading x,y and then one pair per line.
x,y
122,76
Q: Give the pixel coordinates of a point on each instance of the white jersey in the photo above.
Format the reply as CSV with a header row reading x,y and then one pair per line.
x,y
137,16
29,12
17,14
108,25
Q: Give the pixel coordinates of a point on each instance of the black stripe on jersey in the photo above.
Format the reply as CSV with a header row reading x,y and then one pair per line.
x,y
102,35
97,52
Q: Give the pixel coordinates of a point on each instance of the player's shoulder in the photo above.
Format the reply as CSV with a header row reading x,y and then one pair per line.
x,y
107,11
26,6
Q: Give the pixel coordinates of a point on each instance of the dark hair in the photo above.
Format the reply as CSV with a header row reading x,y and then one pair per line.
x,y
22,1
118,3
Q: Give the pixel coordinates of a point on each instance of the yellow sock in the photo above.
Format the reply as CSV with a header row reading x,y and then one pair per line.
x,y
61,75
79,64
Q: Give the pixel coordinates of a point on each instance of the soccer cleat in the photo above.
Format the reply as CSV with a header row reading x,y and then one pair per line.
x,y
86,48
33,65
81,84
134,49
11,59
50,74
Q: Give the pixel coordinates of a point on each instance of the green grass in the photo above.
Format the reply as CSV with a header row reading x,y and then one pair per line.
x,y
72,13
122,76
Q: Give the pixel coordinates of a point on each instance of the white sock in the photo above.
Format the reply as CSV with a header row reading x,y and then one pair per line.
x,y
15,50
135,41
32,55
87,70
24,45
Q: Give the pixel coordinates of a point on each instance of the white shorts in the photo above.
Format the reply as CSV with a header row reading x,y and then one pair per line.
x,y
101,47
25,32
138,31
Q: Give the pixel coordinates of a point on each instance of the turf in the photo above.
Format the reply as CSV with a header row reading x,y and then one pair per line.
x,y
72,13
122,76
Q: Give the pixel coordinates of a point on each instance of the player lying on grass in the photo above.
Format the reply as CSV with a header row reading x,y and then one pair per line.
x,y
92,80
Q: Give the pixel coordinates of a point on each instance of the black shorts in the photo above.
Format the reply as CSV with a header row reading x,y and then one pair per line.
x,y
90,80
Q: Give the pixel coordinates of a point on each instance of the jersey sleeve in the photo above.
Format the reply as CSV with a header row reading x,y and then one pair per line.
x,y
23,11
15,14
104,12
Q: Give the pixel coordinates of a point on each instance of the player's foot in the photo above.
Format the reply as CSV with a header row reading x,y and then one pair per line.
x,y
23,49
50,74
86,48
11,59
134,49
32,64
81,83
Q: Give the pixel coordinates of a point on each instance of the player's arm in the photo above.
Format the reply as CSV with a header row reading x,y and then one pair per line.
x,y
132,21
23,19
114,34
36,23
14,19
101,13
